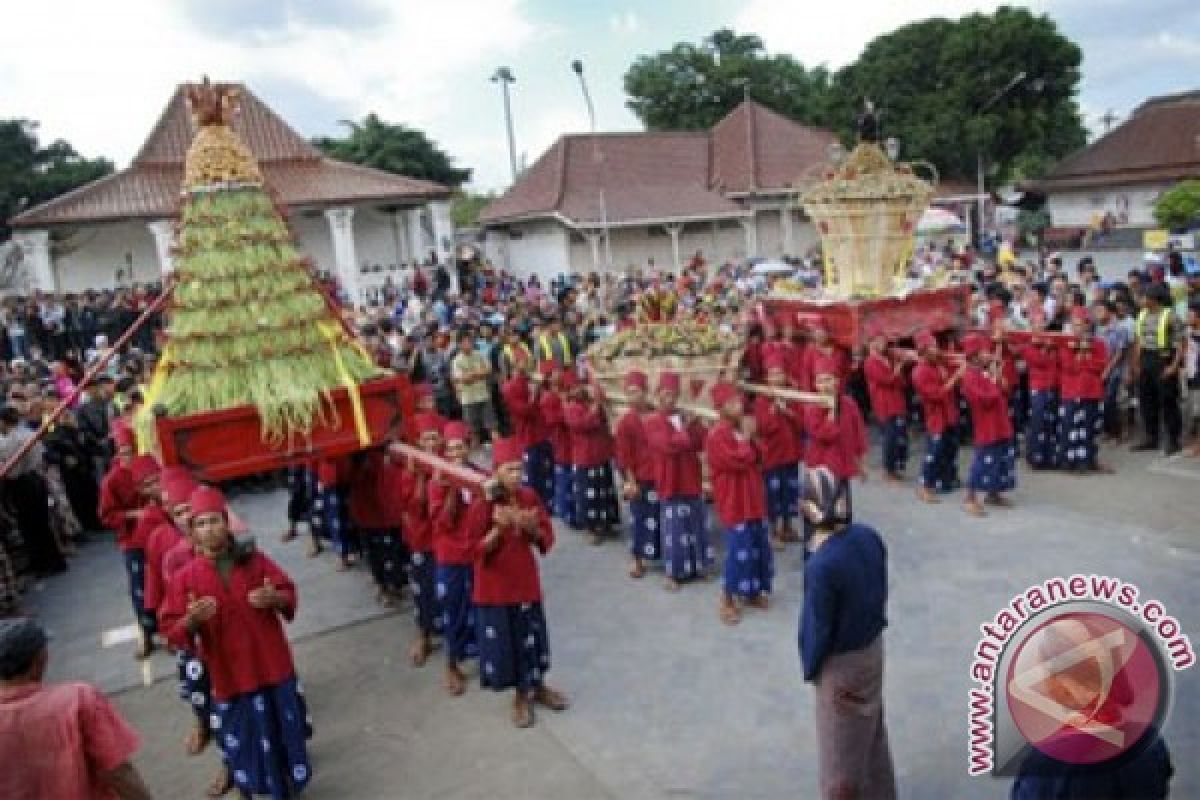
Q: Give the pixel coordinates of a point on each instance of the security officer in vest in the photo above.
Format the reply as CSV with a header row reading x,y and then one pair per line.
x,y
553,344
1157,359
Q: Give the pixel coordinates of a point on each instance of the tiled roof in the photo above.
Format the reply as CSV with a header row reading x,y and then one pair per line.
x,y
1159,141
662,175
293,168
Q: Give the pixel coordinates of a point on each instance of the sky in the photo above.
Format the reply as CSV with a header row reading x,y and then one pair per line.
x,y
98,74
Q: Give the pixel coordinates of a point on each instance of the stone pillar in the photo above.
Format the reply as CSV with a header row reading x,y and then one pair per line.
x,y
39,268
417,248
750,227
341,232
443,230
163,231
675,230
593,239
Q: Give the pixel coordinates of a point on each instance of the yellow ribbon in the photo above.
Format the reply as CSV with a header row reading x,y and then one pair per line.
x,y
331,333
143,425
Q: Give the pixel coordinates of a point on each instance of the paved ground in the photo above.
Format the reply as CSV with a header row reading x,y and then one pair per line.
x,y
669,703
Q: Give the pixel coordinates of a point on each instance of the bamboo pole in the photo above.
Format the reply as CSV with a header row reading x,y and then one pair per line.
x,y
86,380
783,393
464,477
703,412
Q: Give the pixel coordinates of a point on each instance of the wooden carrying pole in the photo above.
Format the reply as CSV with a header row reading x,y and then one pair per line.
x,y
87,379
703,412
463,477
783,393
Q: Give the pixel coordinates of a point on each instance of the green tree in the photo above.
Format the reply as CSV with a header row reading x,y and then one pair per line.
x,y
1179,207
394,148
465,207
934,81
690,87
32,174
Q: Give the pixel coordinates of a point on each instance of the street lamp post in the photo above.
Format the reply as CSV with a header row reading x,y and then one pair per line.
x,y
504,76
577,68
981,189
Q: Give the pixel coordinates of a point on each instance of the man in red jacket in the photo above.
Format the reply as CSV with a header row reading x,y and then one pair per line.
x,y
142,519
506,530
837,436
591,450
551,406
675,439
1041,362
418,537
521,399
1083,361
993,464
780,426
886,387
637,476
735,468
377,517
936,382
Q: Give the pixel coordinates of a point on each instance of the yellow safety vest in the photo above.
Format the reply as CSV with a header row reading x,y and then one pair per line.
x,y
515,359
548,351
1164,324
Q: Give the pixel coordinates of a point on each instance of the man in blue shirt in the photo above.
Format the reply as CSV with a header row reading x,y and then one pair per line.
x,y
841,646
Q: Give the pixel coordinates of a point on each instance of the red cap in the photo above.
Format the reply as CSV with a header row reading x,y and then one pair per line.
x,y
774,359
722,393
668,381
635,379
144,467
122,434
567,379
924,340
178,490
427,423
975,343
506,451
207,500
456,430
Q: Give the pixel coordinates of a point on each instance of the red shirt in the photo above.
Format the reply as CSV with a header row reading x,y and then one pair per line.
x,y
591,443
418,524
160,542
1042,364
374,504
243,648
118,494
633,457
676,456
448,506
837,442
885,386
1082,371
151,517
939,403
735,468
779,432
59,741
523,410
550,405
509,574
989,407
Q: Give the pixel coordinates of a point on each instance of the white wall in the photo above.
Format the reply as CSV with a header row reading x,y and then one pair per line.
x,y
541,249
98,251
1132,205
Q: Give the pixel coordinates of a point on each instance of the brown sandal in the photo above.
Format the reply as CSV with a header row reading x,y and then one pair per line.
x,y
729,614
197,740
636,570
973,508
522,714
220,785
551,698
454,681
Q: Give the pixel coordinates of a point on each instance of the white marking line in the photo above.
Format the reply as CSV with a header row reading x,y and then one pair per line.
x,y
115,636
147,672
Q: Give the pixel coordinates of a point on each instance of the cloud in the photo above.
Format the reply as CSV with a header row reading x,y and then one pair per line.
x,y
625,23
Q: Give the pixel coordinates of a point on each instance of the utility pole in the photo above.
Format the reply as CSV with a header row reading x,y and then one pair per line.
x,y
981,189
577,68
1109,119
504,76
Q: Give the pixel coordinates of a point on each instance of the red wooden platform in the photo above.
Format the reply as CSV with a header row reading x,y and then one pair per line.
x,y
219,445
851,322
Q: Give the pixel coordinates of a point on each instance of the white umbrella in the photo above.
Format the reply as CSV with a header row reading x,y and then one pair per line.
x,y
939,220
772,268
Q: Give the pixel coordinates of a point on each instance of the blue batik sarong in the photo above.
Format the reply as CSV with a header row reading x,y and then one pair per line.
x,y
194,687
302,489
262,735
458,613
514,646
386,556
135,568
749,563
782,485
421,569
1041,437
644,513
939,468
331,519
1082,421
686,549
993,467
537,471
895,444
564,494
595,497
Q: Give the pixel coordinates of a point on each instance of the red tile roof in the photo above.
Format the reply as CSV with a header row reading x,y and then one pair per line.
x,y
1160,141
664,175
298,172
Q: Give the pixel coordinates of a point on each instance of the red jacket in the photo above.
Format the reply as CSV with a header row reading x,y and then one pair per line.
x,y
591,443
780,432
334,472
152,516
885,386
676,456
735,469
413,491
1042,364
374,504
1082,371
118,495
550,405
989,407
509,574
523,410
632,455
940,405
174,560
243,648
837,442
161,541
448,508
752,361
813,356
